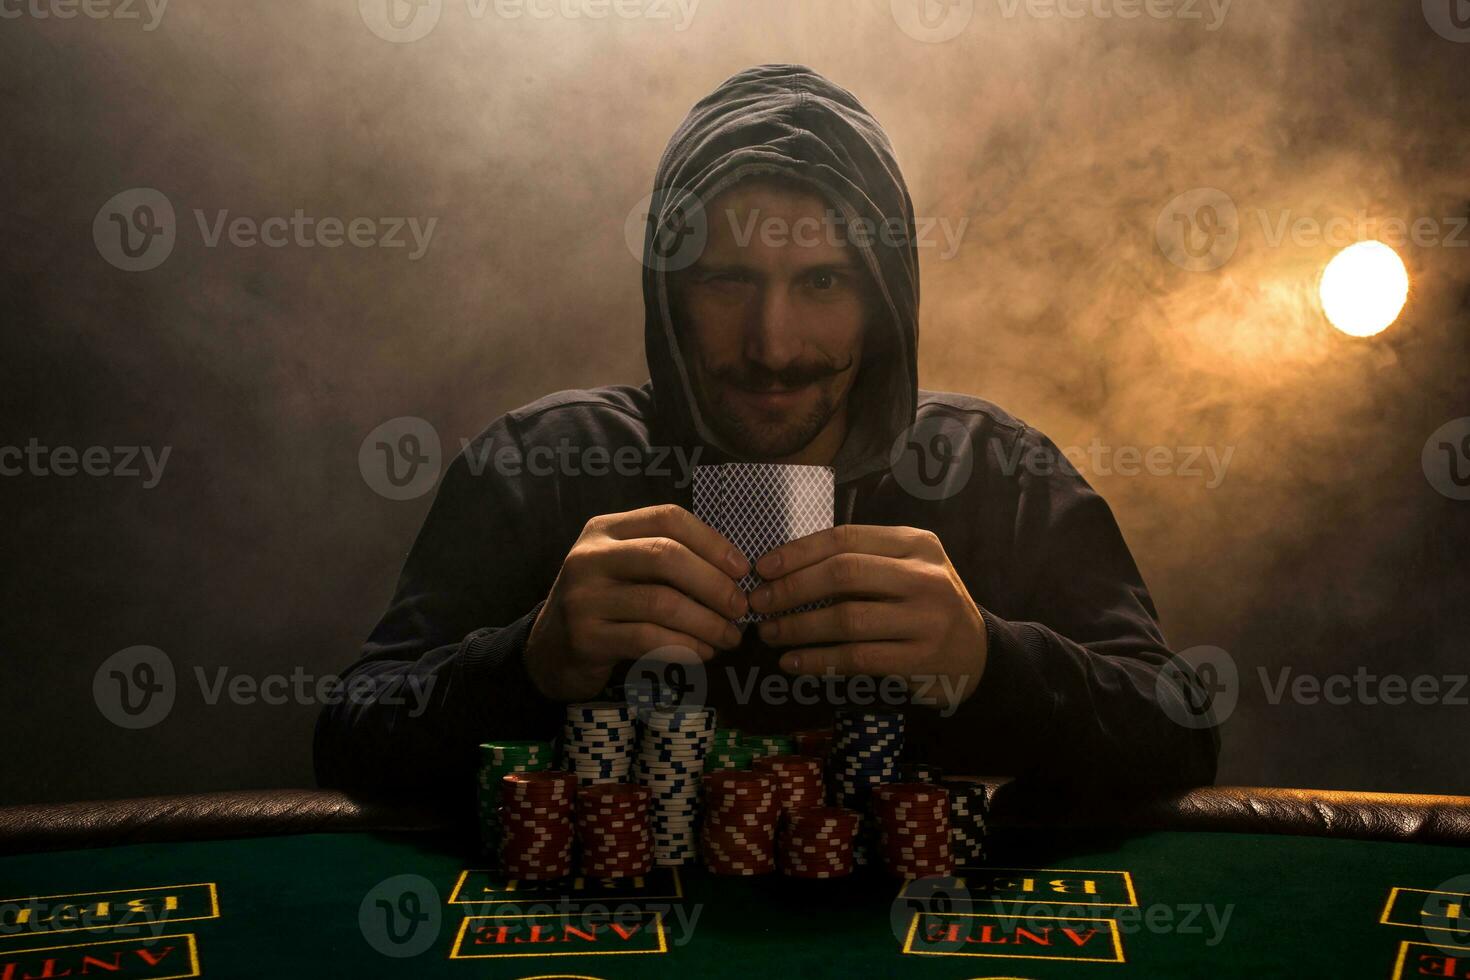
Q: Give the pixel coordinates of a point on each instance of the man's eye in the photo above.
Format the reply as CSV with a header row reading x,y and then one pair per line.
x,y
824,279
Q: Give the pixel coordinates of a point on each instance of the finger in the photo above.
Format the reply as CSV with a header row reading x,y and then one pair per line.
x,y
842,622
868,539
631,641
847,659
667,607
845,576
673,521
669,562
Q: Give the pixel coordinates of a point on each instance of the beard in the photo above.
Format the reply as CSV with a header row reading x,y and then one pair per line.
x,y
755,437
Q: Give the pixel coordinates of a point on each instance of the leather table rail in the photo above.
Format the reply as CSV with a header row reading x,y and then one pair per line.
x,y
1415,818
204,816
1232,809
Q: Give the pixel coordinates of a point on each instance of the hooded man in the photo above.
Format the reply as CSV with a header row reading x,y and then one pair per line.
x,y
781,294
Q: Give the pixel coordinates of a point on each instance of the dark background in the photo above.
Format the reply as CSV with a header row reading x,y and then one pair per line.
x,y
264,549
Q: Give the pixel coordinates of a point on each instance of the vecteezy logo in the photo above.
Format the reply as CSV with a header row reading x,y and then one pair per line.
x,y
1446,459
670,676
400,916
674,226
134,688
1450,19
930,895
135,229
1444,913
1199,229
400,458
1199,687
933,458
400,21
932,21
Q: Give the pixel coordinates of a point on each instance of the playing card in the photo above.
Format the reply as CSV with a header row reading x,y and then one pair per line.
x,y
761,506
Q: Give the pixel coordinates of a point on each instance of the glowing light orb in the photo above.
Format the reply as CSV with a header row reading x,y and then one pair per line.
x,y
1363,288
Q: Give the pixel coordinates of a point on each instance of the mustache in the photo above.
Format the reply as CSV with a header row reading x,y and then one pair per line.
x,y
749,374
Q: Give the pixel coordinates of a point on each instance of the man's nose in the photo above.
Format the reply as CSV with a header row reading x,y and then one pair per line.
x,y
770,333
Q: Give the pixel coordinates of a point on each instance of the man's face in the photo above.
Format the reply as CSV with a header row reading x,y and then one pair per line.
x,y
771,319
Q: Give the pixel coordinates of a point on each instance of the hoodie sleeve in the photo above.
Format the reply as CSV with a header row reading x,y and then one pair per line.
x,y
1075,667
444,670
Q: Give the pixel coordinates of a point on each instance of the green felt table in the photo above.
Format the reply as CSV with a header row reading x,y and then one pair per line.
x,y
1049,904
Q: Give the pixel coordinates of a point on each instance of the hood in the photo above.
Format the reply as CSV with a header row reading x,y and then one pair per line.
x,y
789,120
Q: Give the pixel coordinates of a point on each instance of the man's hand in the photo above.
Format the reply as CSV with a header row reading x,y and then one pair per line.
x,y
898,608
634,583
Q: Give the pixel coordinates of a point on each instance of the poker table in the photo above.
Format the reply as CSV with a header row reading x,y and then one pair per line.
x,y
1218,882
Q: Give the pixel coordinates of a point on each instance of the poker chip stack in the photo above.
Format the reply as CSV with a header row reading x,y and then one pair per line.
x,y
760,745
670,763
914,818
728,757
613,830
921,772
816,742
598,740
536,821
865,751
967,809
740,818
798,779
497,760
817,842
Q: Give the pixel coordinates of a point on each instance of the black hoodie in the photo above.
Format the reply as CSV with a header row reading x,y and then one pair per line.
x,y
1072,692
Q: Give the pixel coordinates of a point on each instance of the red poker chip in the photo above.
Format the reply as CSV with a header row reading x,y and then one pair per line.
x,y
817,866
740,871
815,829
607,840
619,855
599,819
740,800
735,833
938,810
835,837
622,837
826,814
623,871
762,848
603,794
739,840
526,841
911,793
602,823
912,820
911,830
905,809
840,847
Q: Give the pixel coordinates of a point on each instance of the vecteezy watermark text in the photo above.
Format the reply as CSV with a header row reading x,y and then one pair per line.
x,y
90,9
136,229
34,459
137,688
